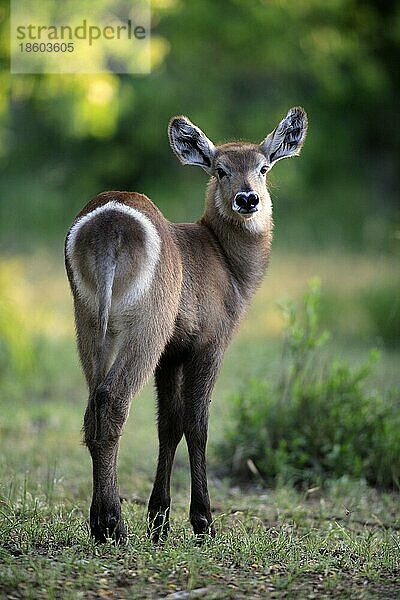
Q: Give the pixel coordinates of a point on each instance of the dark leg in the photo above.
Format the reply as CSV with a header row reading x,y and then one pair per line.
x,y
103,423
105,416
168,377
200,373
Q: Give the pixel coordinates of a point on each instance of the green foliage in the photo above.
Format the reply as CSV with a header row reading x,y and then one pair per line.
x,y
64,138
383,307
321,420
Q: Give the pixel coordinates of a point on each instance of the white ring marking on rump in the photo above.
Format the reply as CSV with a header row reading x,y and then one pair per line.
x,y
152,243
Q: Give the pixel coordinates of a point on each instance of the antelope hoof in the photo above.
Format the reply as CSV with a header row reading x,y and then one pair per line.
x,y
107,525
202,527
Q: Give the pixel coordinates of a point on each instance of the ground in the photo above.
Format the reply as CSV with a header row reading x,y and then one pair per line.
x,y
338,544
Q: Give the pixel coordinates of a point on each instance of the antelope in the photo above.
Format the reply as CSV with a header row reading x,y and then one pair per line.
x,y
151,296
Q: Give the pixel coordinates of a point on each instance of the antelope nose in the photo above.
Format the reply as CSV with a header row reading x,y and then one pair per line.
x,y
246,202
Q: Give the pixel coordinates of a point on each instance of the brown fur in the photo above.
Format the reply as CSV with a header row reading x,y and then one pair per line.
x,y
179,328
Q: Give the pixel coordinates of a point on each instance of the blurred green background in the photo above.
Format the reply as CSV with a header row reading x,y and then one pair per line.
x,y
234,68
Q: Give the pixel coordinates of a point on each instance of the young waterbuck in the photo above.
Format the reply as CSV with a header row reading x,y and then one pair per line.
x,y
154,296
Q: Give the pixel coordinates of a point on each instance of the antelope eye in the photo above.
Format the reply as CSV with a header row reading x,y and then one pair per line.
x,y
221,173
263,170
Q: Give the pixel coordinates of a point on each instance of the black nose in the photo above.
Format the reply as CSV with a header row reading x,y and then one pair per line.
x,y
247,202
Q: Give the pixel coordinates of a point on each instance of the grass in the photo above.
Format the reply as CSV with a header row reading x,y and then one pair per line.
x,y
345,542
338,541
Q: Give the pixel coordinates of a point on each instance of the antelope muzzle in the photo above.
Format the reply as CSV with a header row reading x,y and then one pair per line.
x,y
246,203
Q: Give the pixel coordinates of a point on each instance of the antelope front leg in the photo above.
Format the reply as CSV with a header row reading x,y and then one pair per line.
x,y
199,377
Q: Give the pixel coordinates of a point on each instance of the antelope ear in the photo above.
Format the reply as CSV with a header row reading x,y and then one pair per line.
x,y
190,144
287,138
